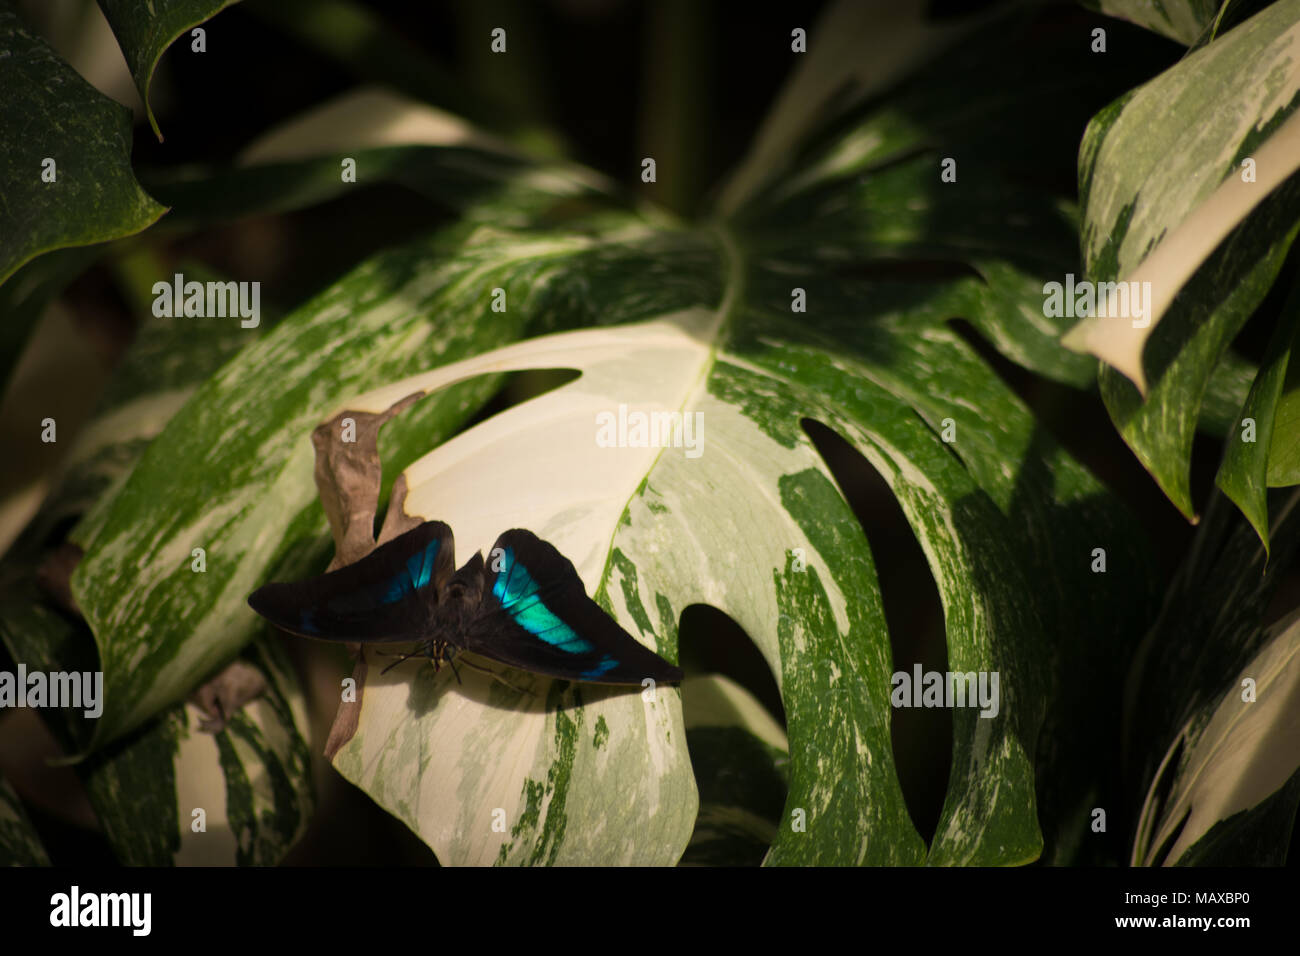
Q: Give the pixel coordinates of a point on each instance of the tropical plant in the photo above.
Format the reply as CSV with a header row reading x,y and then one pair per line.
x,y
865,294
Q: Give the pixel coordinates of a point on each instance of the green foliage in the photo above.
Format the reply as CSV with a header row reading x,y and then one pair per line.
x,y
1205,214
51,115
820,288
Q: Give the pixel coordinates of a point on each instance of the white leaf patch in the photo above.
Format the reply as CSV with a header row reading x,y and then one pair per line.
x,y
655,527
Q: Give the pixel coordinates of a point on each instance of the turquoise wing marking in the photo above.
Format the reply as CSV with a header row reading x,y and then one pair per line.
x,y
418,571
519,597
603,666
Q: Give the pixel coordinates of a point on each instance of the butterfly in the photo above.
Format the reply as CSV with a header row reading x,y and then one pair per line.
x,y
527,608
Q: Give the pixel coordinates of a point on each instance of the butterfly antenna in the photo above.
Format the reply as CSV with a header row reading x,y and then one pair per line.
x,y
404,657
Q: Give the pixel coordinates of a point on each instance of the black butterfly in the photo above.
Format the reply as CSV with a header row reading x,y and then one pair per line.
x,y
527,609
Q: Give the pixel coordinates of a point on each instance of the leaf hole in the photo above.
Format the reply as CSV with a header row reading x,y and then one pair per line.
x,y
921,737
742,778
710,642
520,387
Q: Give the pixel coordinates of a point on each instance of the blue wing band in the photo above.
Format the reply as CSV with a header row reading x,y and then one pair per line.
x,y
603,666
386,596
518,594
415,574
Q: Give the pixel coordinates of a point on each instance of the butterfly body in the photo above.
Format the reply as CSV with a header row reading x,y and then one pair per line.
x,y
525,607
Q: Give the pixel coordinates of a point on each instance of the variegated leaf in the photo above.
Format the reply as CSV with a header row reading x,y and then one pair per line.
x,y
858,47
1194,220
1181,20
888,253
1230,758
236,460
1160,194
1226,394
911,193
252,779
1220,594
390,139
382,311
167,361
697,321
653,530
1258,836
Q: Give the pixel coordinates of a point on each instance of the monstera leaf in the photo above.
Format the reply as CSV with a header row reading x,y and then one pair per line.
x,y
1216,756
821,295
1197,219
1232,777
721,499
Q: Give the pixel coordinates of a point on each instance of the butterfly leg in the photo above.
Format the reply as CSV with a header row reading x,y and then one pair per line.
x,y
438,655
487,670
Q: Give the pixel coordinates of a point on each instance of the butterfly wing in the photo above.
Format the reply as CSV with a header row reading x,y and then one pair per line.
x,y
537,617
383,597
